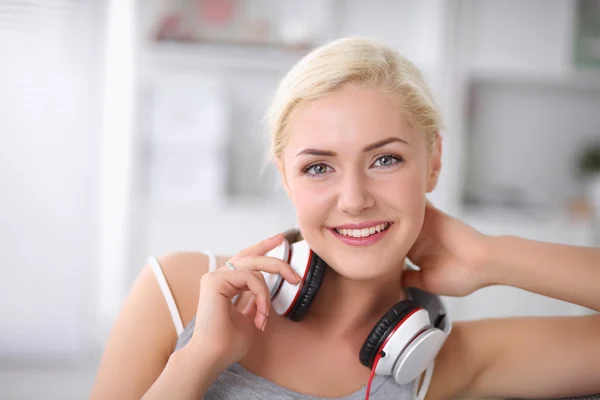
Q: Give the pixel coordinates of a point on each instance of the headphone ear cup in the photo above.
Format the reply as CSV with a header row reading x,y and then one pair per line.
x,y
310,287
383,329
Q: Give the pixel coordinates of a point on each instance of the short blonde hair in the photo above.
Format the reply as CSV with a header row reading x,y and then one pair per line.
x,y
361,61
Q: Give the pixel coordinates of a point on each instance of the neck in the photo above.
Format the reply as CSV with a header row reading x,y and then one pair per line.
x,y
348,308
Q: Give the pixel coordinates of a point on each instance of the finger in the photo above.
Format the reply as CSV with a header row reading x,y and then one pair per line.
x,y
260,320
241,280
262,247
251,312
271,265
250,308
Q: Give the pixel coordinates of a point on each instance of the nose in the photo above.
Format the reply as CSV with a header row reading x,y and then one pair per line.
x,y
354,195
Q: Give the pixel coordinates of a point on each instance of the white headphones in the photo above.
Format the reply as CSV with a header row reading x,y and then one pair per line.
x,y
403,343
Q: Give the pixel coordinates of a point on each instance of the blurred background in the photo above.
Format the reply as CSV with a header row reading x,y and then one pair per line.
x,y
136,128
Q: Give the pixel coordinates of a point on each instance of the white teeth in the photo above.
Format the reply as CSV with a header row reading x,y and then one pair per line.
x,y
364,232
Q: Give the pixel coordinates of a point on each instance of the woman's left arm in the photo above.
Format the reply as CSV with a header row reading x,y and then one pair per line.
x,y
456,260
522,357
569,273
511,357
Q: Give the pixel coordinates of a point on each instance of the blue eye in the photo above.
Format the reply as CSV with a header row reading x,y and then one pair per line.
x,y
316,169
387,161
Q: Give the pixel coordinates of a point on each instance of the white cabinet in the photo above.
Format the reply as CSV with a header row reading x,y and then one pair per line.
x,y
516,35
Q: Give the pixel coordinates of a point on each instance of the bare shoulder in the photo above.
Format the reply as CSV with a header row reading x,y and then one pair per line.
x,y
143,336
183,271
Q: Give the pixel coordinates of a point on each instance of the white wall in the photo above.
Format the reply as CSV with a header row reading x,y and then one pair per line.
x,y
48,178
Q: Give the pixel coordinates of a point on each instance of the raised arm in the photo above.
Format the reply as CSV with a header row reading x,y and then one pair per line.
x,y
512,357
568,273
456,260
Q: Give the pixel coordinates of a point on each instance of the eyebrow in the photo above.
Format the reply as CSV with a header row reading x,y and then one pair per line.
x,y
371,147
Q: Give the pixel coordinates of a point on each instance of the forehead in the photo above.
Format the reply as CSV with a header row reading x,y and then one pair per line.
x,y
349,118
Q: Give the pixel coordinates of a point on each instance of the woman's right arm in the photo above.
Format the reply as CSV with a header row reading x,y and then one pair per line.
x,y
139,360
188,374
139,351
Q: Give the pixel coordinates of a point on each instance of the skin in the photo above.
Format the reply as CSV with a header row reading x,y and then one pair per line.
x,y
387,183
502,358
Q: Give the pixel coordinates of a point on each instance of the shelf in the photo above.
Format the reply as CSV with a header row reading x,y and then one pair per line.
x,y
222,57
581,79
245,58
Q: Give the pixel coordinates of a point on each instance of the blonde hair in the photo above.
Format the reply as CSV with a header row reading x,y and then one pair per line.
x,y
361,61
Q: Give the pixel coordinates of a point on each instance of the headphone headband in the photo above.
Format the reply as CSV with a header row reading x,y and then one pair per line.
x,y
434,306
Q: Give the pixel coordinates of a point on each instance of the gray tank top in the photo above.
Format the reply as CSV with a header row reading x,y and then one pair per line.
x,y
236,382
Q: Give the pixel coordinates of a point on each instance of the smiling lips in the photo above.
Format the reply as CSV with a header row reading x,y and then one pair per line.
x,y
362,234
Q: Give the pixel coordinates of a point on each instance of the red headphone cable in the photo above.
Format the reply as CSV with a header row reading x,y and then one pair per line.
x,y
372,375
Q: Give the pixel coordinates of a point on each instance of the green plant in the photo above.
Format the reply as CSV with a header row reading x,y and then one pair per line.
x,y
588,162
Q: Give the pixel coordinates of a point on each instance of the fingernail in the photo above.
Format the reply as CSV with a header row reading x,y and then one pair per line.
x,y
298,278
264,311
264,325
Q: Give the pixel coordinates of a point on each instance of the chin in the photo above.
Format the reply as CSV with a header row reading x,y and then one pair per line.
x,y
362,268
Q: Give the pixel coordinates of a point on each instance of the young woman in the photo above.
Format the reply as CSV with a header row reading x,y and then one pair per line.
x,y
355,135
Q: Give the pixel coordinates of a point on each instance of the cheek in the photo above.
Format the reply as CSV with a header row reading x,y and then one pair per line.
x,y
414,206
405,194
310,199
405,189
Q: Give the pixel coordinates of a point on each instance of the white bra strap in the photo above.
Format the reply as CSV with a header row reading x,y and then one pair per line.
x,y
164,287
212,261
426,381
212,265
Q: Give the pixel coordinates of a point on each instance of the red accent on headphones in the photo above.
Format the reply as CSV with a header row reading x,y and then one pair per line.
x,y
301,283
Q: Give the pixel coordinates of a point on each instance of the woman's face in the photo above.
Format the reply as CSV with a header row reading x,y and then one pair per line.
x,y
357,175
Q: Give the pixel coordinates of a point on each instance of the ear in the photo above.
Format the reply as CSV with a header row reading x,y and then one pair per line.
x,y
281,170
435,164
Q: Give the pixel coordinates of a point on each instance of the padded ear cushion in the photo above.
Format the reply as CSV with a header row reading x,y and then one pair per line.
x,y
310,288
382,330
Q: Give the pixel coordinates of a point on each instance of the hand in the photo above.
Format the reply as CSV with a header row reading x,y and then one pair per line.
x,y
451,256
221,328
